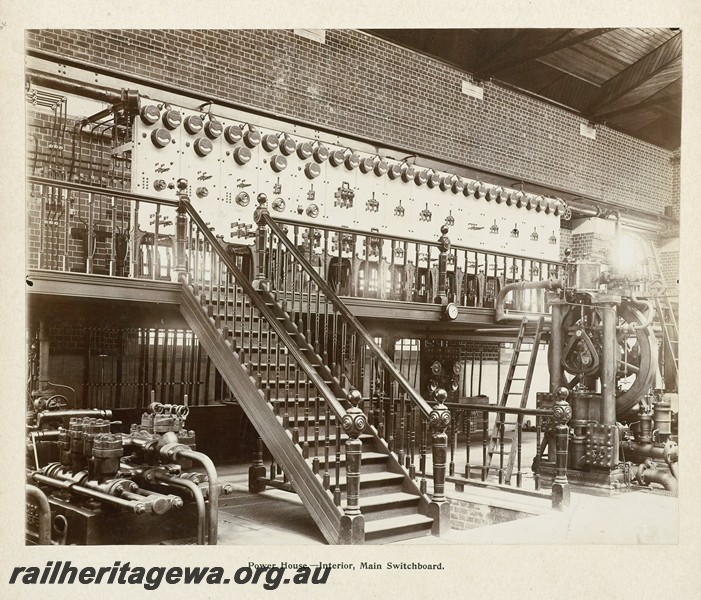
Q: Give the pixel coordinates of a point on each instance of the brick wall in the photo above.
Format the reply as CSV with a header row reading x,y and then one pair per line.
x,y
465,514
675,163
360,84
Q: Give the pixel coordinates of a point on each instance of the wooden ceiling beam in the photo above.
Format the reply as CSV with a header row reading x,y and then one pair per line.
x,y
533,44
663,58
665,98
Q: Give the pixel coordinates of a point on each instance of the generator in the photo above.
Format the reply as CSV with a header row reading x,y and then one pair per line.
x,y
602,359
87,484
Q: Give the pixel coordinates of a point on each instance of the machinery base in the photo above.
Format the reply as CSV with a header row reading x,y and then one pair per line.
x,y
97,526
604,482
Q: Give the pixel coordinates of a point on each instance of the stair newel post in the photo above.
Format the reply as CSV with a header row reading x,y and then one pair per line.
x,y
439,507
257,470
181,236
562,413
353,422
444,250
260,281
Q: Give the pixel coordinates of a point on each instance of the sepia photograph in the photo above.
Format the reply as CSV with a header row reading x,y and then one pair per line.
x,y
288,289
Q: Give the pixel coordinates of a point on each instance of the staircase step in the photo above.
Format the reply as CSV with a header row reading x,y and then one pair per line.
x,y
364,437
372,462
397,528
388,506
380,482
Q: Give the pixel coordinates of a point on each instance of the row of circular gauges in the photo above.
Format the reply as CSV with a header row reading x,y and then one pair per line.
x,y
213,129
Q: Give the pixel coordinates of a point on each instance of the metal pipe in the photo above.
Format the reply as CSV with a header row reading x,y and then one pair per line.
x,y
77,88
669,453
608,365
213,488
42,503
647,475
649,315
198,497
52,415
47,435
555,349
500,313
674,468
137,507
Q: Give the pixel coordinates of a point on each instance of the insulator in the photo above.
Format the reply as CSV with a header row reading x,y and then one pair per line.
x,y
193,124
233,134
172,119
160,137
150,114
213,129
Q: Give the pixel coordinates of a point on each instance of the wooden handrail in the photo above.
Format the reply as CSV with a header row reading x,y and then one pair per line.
x,y
265,311
493,408
262,216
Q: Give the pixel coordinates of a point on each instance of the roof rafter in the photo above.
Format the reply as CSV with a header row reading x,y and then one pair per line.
x,y
663,96
664,58
532,44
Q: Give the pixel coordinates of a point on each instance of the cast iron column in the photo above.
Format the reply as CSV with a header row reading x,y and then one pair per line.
x,y
608,364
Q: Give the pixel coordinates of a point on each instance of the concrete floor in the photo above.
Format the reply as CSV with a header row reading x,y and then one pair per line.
x,y
275,517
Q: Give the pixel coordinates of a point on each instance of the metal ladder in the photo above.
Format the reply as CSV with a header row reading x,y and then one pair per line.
x,y
663,307
517,361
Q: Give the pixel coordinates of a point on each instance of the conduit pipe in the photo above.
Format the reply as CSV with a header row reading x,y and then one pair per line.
x,y
501,314
649,474
53,415
194,489
137,507
74,87
175,451
42,503
669,453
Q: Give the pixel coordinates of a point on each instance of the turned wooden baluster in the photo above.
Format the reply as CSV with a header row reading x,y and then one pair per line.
x,y
353,423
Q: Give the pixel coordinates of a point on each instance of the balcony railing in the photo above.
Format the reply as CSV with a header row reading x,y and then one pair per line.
x,y
81,228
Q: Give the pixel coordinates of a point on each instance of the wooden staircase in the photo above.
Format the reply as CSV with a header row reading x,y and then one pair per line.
x,y
523,357
296,403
